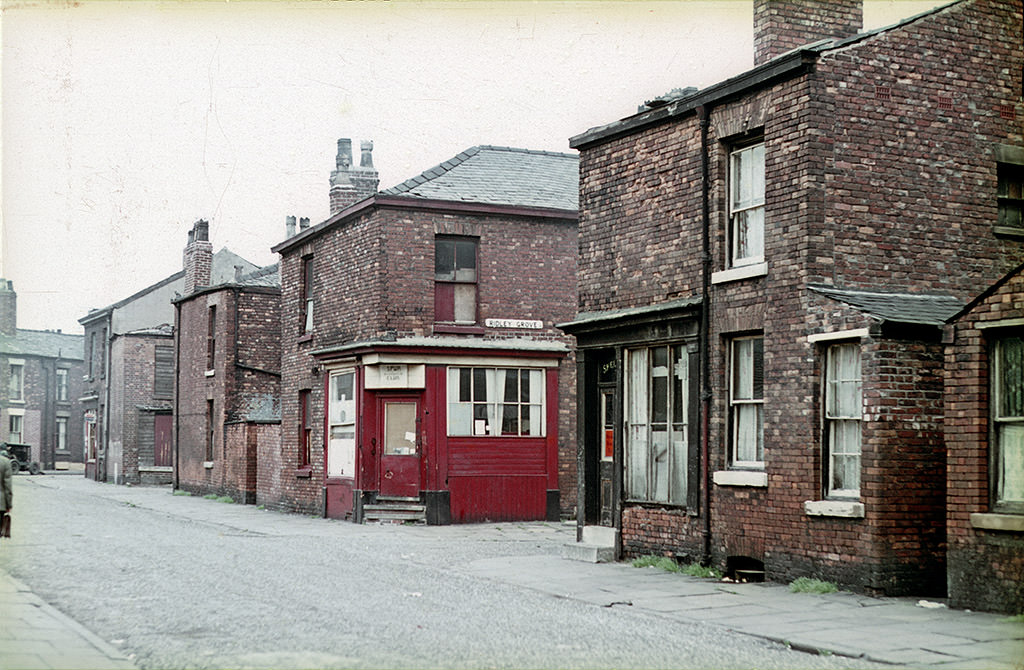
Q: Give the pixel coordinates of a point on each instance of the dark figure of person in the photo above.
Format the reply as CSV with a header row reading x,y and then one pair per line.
x,y
6,494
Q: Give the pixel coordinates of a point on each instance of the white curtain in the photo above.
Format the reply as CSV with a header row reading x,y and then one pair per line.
x,y
636,423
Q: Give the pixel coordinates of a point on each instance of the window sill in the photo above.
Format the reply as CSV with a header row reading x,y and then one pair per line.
x,y
304,473
847,509
208,465
1009,522
755,478
308,337
453,328
210,373
742,272
1011,232
156,468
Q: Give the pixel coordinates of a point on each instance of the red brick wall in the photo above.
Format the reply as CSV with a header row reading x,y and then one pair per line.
x,y
986,567
783,25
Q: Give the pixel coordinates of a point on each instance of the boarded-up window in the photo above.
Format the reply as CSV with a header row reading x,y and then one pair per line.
x,y
163,372
146,440
455,280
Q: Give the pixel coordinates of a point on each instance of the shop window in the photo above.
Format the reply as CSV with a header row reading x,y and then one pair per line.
x,y
306,297
656,408
305,428
16,382
843,407
62,384
455,280
746,205
341,417
746,402
1007,408
495,402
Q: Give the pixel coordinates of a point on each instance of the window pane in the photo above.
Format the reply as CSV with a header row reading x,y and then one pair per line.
x,y
1011,471
1011,377
510,420
465,302
479,384
460,419
399,428
636,453
511,391
659,385
677,492
444,260
748,433
465,260
748,233
743,370
660,463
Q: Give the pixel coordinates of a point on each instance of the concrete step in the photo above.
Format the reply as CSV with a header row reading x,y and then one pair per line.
x,y
395,512
588,553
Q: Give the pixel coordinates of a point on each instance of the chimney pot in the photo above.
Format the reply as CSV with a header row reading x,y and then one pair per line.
x,y
343,161
366,157
304,223
289,226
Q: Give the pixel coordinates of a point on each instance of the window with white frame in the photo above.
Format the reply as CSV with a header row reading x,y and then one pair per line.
x,y
306,298
657,381
1007,408
495,402
62,433
843,407
341,419
16,381
746,401
746,205
62,384
15,425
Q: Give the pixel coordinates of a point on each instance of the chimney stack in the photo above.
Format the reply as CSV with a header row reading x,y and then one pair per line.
x,y
351,184
198,257
783,25
289,227
8,308
304,223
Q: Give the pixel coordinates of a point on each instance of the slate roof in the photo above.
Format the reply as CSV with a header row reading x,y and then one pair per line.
x,y
265,276
43,343
932,310
500,176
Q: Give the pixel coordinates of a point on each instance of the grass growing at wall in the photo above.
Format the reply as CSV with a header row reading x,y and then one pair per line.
x,y
669,565
1016,618
223,499
179,492
809,585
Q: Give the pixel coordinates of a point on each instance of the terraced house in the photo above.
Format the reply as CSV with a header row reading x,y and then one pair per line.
x,y
763,288
422,375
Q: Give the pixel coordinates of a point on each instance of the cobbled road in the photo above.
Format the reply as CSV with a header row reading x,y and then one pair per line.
x,y
184,582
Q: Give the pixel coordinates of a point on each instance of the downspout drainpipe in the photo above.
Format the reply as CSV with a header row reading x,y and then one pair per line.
x,y
177,393
705,322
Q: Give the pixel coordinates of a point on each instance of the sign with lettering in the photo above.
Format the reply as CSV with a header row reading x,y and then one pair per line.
x,y
395,376
514,323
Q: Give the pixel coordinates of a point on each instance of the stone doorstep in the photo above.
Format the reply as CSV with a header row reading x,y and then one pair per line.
x,y
588,553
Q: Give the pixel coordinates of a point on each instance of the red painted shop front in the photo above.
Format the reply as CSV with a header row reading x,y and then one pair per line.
x,y
471,436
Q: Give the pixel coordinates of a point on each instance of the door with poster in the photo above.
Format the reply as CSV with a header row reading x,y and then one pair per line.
x,y
400,420
341,428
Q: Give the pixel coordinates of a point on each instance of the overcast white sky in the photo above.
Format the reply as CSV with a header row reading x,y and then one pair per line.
x,y
124,122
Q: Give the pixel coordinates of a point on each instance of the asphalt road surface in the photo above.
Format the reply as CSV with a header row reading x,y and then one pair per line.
x,y
184,582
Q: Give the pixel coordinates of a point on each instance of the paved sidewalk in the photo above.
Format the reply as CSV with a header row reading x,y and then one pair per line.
x,y
895,631
35,635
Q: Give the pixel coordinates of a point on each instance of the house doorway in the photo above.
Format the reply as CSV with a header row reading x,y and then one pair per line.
x,y
400,420
606,474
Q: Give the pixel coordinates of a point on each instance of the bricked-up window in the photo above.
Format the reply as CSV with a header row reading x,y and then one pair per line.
x,y
746,401
305,428
1008,423
62,384
306,297
496,402
843,407
62,433
455,280
746,205
1010,195
657,380
16,382
209,430
341,416
211,336
14,428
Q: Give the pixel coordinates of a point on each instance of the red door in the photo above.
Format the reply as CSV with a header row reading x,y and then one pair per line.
x,y
400,456
162,439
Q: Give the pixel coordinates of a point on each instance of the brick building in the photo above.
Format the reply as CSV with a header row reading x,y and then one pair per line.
x,y
984,427
128,388
228,379
422,375
40,384
765,268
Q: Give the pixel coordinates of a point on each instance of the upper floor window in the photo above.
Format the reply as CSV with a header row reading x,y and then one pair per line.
x,y
102,354
1010,195
746,401
1007,408
62,384
163,372
306,297
455,280
211,336
92,353
496,402
16,382
746,205
656,407
843,418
